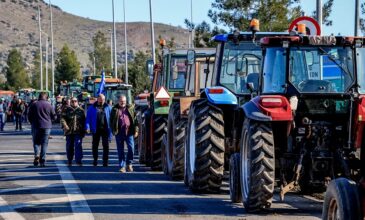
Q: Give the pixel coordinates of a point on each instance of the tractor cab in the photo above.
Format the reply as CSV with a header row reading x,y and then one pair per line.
x,y
114,90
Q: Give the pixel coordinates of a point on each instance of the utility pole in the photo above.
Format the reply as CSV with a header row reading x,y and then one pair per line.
x,y
125,46
111,50
319,13
52,52
47,63
191,20
94,65
40,46
115,46
152,35
357,12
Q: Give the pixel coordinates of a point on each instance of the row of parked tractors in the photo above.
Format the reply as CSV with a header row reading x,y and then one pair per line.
x,y
279,111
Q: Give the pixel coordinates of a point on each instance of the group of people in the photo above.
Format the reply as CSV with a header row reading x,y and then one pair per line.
x,y
102,121
15,111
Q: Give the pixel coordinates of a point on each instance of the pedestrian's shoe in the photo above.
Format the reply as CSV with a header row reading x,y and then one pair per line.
x,y
122,170
36,161
105,164
129,168
69,163
79,164
95,163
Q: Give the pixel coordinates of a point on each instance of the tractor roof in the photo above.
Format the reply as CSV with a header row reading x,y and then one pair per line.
x,y
312,40
109,80
245,36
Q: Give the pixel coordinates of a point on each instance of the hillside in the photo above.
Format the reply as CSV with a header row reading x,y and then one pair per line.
x,y
19,29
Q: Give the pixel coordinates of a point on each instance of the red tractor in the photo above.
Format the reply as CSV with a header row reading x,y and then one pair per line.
x,y
304,127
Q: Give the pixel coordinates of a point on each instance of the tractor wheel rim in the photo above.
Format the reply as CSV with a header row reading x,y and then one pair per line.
x,y
192,146
245,167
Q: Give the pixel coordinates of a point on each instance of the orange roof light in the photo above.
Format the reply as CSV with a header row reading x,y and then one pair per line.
x,y
302,29
255,25
162,42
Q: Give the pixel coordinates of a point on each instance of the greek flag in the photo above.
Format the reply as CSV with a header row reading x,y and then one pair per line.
x,y
102,83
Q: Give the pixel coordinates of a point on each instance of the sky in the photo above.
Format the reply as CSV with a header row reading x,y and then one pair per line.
x,y
174,12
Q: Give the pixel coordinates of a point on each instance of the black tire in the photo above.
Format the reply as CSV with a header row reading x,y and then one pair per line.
x,y
205,147
159,129
163,156
142,140
175,149
257,165
234,178
342,201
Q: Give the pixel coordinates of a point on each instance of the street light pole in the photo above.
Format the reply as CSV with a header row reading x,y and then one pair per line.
x,y
40,47
152,34
125,45
357,12
47,63
319,13
111,50
115,46
191,20
52,52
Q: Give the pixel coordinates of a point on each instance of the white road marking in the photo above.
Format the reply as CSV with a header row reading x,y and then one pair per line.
x,y
28,169
78,202
7,213
67,217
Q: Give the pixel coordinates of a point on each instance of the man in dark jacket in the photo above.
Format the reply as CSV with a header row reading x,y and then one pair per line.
x,y
97,122
19,109
124,126
73,124
41,114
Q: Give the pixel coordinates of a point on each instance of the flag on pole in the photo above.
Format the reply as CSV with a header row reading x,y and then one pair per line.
x,y
102,83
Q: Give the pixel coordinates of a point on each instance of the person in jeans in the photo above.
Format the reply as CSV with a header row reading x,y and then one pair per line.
x,y
2,114
19,109
124,126
41,114
97,122
73,124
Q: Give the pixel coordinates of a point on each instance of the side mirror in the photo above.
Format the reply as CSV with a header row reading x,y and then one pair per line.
x,y
175,72
191,57
149,67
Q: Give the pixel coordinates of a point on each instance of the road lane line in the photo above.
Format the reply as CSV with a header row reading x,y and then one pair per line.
x,y
78,202
29,169
31,187
7,213
67,217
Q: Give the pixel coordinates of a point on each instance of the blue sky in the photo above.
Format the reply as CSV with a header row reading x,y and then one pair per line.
x,y
175,11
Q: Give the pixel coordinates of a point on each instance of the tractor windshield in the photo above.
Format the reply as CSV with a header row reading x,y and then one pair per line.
x,y
177,73
240,62
360,69
321,69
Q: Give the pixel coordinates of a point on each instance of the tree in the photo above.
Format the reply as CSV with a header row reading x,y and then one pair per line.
x,y
67,65
326,12
137,73
15,71
101,53
274,15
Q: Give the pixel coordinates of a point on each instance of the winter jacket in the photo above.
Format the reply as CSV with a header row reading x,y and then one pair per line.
x,y
91,118
74,119
19,109
41,114
114,120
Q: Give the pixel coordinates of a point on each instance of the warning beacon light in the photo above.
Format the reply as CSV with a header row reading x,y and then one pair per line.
x,y
302,29
255,25
162,42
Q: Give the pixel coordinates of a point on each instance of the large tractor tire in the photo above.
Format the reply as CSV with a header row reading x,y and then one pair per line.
x,y
143,138
234,178
158,130
175,149
342,201
205,147
257,165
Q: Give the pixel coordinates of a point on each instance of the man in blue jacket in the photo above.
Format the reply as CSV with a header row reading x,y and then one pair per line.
x,y
97,122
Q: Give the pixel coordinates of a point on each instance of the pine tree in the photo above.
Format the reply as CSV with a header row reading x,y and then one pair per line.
x,y
67,65
101,53
15,71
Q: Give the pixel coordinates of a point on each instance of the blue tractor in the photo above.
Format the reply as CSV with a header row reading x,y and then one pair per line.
x,y
215,119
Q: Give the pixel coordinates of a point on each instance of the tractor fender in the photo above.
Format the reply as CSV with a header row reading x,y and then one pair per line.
x,y
278,109
219,95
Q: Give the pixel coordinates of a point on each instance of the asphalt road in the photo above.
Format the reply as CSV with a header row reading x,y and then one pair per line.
x,y
61,192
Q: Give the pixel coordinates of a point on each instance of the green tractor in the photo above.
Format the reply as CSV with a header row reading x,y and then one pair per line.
x,y
168,82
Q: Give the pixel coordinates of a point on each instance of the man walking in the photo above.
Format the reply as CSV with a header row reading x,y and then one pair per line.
x,y
73,124
41,114
2,114
97,122
124,127
19,109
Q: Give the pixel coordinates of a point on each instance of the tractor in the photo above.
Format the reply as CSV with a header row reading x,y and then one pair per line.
x,y
168,81
304,128
215,118
200,64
